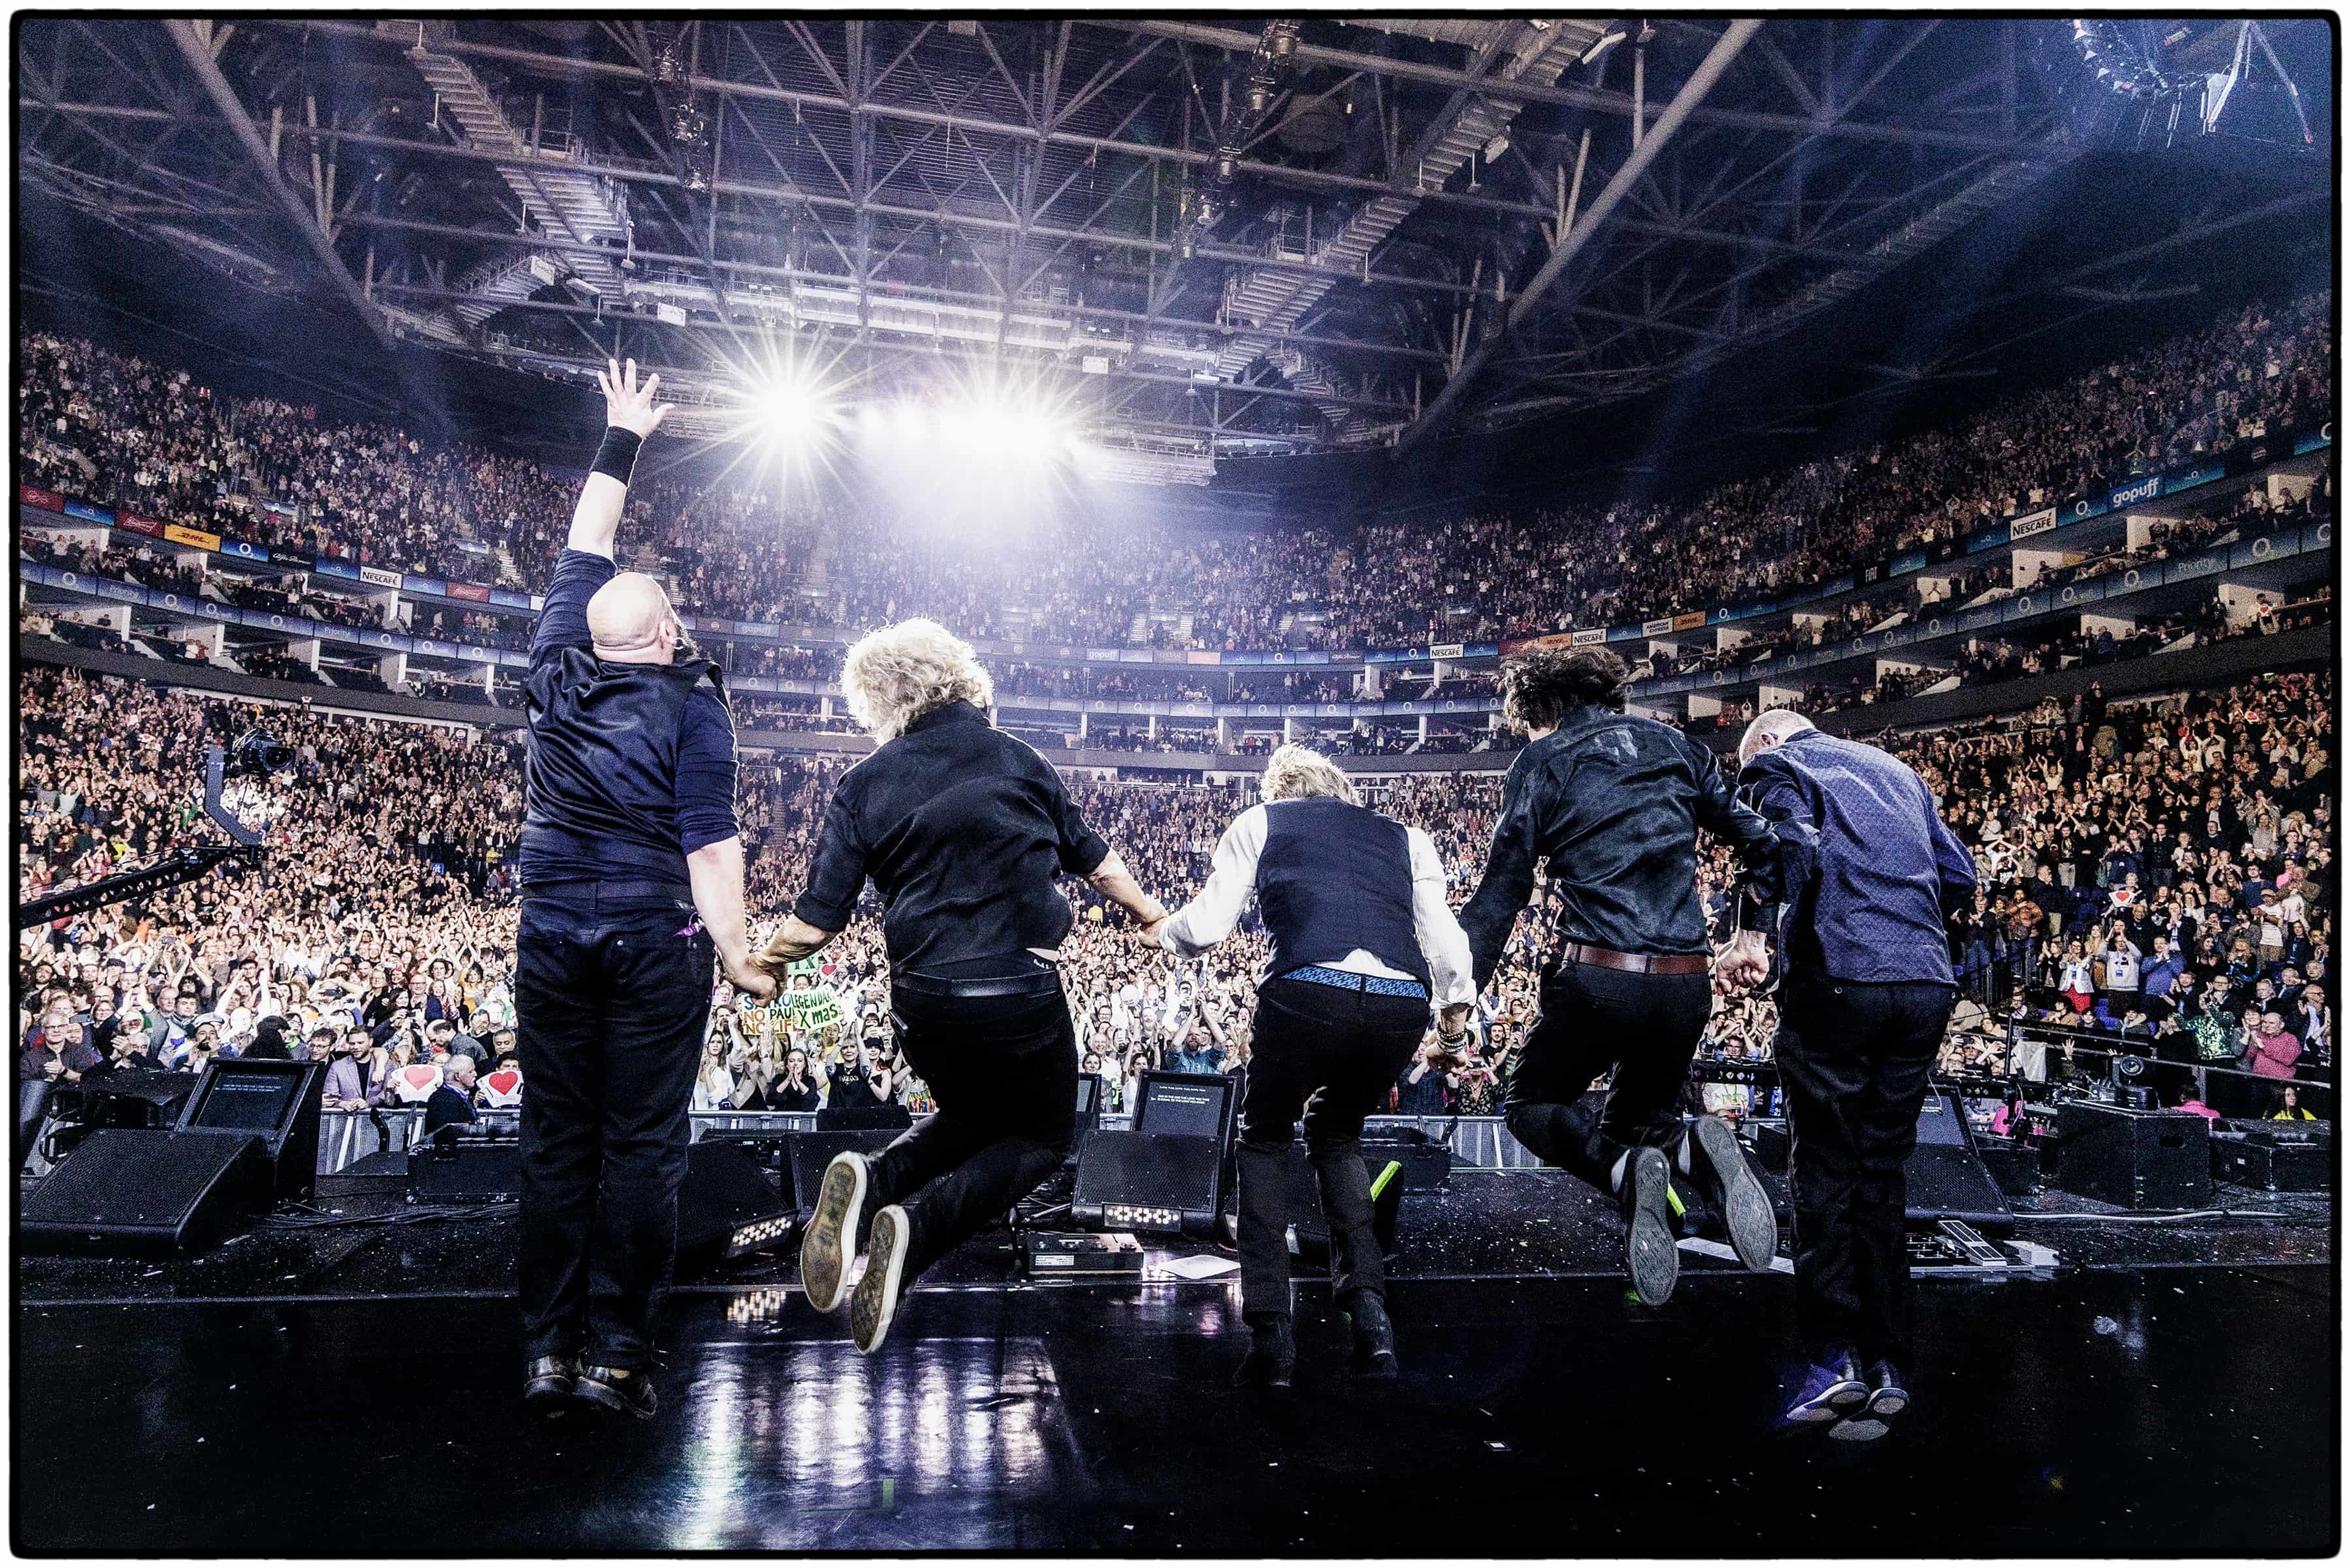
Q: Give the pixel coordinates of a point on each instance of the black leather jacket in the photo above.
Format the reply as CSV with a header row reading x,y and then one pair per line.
x,y
1613,803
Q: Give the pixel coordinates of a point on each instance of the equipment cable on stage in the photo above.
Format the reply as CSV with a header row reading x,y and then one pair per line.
x,y
319,1220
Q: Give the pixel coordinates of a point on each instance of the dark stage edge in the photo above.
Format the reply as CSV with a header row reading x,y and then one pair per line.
x,y
1484,1224
2168,1389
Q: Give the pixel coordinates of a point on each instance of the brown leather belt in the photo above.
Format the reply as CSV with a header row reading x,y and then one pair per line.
x,y
1635,963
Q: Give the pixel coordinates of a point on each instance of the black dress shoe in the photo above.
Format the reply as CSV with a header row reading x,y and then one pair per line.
x,y
547,1383
1271,1360
624,1393
1650,1255
1374,1355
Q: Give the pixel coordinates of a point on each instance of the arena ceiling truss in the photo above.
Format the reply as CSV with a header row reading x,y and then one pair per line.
x,y
1221,236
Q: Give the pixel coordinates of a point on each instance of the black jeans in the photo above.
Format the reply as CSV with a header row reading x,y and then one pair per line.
x,y
1003,1071
1330,1054
612,985
1646,1027
1854,1060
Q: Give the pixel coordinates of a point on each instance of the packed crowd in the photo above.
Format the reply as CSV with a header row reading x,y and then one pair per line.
x,y
123,430
2159,872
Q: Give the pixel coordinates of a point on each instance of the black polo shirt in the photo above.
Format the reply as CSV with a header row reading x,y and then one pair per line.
x,y
965,831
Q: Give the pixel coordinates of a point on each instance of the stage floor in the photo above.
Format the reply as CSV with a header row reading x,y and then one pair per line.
x,y
2168,1389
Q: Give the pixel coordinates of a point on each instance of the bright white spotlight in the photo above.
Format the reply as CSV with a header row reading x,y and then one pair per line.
x,y
787,410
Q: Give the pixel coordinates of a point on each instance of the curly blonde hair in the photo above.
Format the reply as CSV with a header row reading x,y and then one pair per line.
x,y
894,676
1294,771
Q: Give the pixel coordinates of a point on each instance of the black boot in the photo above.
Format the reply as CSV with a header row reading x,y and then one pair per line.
x,y
1650,1255
547,1382
1374,1355
1271,1360
625,1393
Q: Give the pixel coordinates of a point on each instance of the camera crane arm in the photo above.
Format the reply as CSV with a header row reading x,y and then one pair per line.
x,y
184,864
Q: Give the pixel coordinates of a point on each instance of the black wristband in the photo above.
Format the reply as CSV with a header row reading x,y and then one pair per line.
x,y
616,455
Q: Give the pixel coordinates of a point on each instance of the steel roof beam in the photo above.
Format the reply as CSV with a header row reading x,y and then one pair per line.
x,y
194,41
930,292
1701,82
795,195
972,125
1619,105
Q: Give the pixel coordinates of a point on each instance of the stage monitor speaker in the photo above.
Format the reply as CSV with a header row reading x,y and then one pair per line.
x,y
1163,1182
2133,1159
2251,1160
465,1169
1947,1178
728,1206
279,1101
135,1098
128,1193
811,1152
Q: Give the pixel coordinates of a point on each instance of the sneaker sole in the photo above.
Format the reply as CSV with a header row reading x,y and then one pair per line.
x,y
825,1252
1832,1404
1886,1403
1650,1255
875,1303
1754,1227
1861,1429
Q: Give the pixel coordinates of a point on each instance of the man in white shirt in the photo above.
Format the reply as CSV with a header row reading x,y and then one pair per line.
x,y
1363,946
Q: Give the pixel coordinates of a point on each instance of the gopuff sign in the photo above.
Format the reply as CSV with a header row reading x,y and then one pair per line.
x,y
2130,494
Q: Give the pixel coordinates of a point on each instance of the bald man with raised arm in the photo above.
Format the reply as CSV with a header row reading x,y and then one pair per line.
x,y
631,869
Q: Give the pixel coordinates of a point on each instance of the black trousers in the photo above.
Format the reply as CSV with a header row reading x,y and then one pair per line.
x,y
1003,1071
612,984
1646,1027
1330,1055
1854,1060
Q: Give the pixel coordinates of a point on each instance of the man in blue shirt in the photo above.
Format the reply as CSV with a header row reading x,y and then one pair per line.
x,y
631,871
1862,1006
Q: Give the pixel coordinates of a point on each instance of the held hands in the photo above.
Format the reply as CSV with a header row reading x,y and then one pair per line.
x,y
1451,1021
1743,963
748,975
628,406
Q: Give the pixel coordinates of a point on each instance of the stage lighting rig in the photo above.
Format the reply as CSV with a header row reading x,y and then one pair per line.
x,y
2143,83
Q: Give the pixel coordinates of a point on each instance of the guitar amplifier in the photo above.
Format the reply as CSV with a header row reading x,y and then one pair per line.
x,y
2131,1158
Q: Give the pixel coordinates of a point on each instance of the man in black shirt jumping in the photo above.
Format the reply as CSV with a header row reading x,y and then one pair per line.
x,y
631,872
964,831
1610,803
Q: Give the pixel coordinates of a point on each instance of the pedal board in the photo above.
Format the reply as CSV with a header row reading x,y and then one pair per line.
x,y
1953,1246
1085,1254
